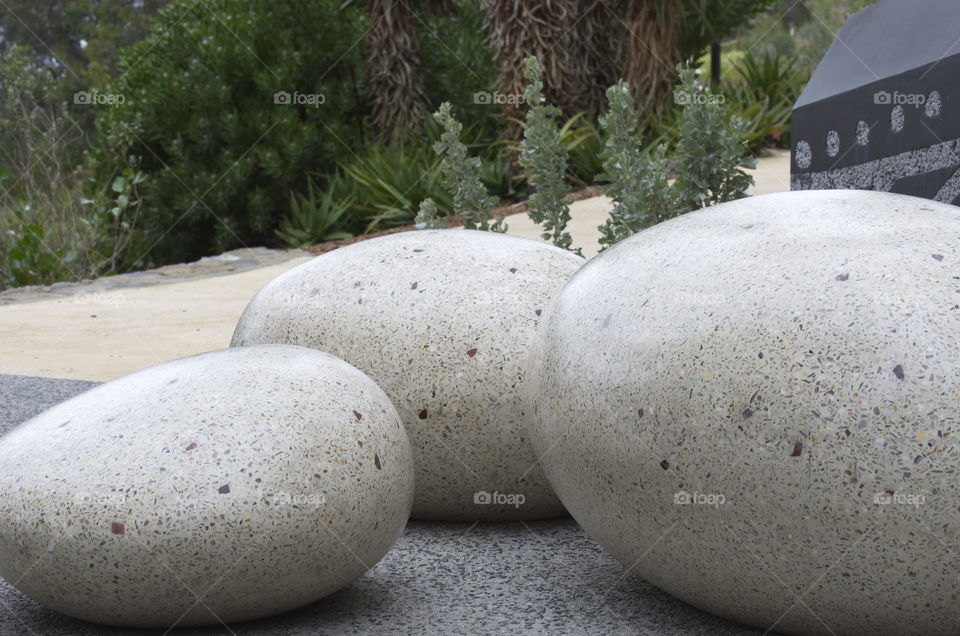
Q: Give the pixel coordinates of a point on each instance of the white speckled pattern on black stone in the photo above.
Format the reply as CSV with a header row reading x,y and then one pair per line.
x,y
442,321
256,479
757,408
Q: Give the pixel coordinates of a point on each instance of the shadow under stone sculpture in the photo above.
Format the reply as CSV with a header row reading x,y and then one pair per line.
x,y
880,111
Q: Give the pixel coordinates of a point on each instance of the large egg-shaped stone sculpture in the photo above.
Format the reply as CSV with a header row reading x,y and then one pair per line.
x,y
756,407
221,487
441,320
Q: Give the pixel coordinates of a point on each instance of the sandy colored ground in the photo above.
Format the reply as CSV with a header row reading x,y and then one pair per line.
x,y
103,335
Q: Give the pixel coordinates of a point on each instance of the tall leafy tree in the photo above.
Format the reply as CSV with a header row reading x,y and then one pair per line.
x,y
76,37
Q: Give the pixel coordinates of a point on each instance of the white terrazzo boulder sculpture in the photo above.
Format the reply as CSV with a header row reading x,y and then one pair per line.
x,y
756,407
222,487
441,320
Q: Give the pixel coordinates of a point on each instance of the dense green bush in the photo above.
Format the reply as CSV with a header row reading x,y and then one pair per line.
x,y
224,160
386,184
706,160
763,94
49,230
457,64
232,102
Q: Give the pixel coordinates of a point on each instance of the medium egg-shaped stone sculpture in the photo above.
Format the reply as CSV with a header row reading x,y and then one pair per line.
x,y
441,320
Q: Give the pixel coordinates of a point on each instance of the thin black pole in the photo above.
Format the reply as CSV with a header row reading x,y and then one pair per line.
x,y
715,63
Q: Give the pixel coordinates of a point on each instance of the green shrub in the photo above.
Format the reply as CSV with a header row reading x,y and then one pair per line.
x,y
461,176
638,182
388,182
314,219
544,160
707,160
30,260
227,98
764,95
709,151
49,231
457,64
428,217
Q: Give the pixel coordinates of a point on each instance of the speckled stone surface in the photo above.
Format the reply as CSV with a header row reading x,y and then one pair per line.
x,y
545,577
755,407
442,321
223,487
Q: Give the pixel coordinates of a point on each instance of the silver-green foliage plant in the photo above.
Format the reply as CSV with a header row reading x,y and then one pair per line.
x,y
710,151
461,174
638,181
544,161
428,217
707,160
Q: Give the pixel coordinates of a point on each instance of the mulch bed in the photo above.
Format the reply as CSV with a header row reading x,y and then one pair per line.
x,y
453,221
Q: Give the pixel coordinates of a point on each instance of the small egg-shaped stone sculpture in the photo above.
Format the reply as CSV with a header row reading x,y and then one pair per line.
x,y
222,487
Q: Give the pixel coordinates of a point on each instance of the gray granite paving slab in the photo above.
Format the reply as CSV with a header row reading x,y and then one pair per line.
x,y
440,578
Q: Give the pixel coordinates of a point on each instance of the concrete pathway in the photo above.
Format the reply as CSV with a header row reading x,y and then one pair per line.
x,y
104,334
103,329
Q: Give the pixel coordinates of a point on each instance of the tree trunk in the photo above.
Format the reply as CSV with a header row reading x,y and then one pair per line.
x,y
596,57
546,29
398,99
651,53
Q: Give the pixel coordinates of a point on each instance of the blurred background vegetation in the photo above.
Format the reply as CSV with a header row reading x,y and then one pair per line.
x,y
135,133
